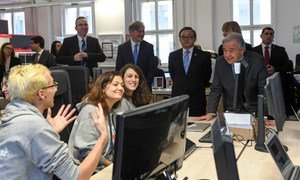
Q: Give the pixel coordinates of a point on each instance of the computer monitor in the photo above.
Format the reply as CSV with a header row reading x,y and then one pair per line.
x,y
223,150
21,41
275,100
150,139
3,26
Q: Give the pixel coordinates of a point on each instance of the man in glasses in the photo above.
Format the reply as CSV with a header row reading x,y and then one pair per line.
x,y
277,60
190,70
30,147
81,50
251,81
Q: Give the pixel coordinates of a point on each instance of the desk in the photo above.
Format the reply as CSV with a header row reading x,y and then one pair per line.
x,y
252,164
161,93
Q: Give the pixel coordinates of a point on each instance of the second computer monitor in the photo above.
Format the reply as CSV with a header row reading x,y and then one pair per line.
x,y
223,149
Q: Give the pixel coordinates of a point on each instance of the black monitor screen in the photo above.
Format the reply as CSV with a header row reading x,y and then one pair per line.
x,y
275,100
150,138
224,154
21,41
3,26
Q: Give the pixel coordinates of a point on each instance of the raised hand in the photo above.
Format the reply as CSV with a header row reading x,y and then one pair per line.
x,y
100,123
62,118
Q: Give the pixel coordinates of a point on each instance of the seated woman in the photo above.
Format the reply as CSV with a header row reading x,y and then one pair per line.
x,y
107,90
136,90
4,90
7,58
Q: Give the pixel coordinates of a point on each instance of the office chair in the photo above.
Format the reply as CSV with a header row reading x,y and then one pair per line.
x,y
62,96
79,79
96,72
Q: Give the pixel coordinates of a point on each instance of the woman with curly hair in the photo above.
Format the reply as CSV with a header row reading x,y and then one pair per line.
x,y
108,91
136,89
7,58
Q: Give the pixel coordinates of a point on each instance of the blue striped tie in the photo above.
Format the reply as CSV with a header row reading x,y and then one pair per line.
x,y
135,53
186,61
83,49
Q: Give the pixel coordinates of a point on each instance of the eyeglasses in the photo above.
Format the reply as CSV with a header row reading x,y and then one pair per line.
x,y
81,25
186,37
55,84
4,84
234,51
8,48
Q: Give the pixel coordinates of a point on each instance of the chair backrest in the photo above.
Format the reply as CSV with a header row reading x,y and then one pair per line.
x,y
62,96
96,72
79,79
297,62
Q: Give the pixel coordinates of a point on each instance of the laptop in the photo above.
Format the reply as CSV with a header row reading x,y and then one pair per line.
x,y
190,147
281,158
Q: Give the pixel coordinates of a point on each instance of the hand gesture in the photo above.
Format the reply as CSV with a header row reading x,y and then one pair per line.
x,y
99,123
62,118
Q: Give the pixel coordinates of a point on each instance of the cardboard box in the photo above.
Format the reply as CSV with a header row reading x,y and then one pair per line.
x,y
243,131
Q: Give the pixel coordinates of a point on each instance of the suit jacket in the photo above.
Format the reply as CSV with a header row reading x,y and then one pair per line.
x,y
255,74
220,50
279,58
194,82
70,47
47,59
13,62
145,59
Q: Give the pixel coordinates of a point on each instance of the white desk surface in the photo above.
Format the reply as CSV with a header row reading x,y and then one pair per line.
x,y
251,164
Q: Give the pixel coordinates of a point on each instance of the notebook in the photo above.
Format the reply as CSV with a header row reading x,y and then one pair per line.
x,y
281,158
197,127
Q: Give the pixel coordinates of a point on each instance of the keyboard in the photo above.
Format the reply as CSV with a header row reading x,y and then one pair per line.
x,y
207,138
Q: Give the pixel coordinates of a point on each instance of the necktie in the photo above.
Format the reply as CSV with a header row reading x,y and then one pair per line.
x,y
83,49
186,61
135,53
267,55
36,58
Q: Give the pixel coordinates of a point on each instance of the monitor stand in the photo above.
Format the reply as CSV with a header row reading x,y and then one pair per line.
x,y
260,139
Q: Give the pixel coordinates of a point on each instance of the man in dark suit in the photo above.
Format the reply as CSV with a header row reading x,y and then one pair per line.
x,y
41,56
277,60
137,51
81,50
252,77
190,70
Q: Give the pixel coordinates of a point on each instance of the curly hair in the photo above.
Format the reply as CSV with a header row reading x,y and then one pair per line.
x,y
142,95
97,95
2,56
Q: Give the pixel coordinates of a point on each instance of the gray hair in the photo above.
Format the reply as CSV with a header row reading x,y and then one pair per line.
x,y
235,36
136,25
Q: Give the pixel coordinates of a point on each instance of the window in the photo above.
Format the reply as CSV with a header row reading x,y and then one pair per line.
x,y
16,21
253,16
157,16
71,13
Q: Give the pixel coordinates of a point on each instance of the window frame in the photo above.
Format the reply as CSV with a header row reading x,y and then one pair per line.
x,y
11,25
156,32
78,6
253,27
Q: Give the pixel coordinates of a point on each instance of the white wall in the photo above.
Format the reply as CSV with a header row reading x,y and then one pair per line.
x,y
287,16
109,16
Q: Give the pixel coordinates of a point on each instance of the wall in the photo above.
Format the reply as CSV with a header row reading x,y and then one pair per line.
x,y
110,17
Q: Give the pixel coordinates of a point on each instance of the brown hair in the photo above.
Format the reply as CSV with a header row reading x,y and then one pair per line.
x,y
96,94
231,26
142,95
2,56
